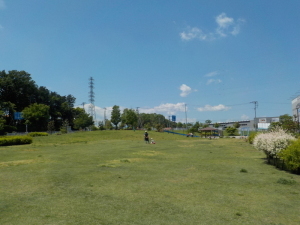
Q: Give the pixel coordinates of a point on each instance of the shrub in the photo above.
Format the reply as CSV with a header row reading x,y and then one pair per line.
x,y
273,142
291,156
251,137
243,171
35,134
15,140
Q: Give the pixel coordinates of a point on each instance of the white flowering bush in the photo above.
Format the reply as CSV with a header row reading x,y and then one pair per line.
x,y
273,142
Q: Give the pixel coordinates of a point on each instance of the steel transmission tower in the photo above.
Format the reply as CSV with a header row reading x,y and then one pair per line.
x,y
92,111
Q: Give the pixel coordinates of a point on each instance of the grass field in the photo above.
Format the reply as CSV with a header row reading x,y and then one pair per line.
x,y
113,177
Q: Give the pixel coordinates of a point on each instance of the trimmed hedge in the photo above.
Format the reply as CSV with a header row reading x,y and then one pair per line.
x,y
291,157
36,134
15,140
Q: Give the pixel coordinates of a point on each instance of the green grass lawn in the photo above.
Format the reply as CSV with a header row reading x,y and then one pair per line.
x,y
113,177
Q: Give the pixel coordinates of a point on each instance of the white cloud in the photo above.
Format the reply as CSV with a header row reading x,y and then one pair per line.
x,y
195,32
2,4
168,108
215,81
225,26
244,117
219,107
185,90
211,74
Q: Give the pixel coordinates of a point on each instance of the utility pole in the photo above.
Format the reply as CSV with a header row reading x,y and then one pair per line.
x,y
255,107
104,118
139,119
83,104
185,117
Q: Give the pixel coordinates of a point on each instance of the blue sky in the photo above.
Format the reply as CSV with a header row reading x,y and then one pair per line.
x,y
213,56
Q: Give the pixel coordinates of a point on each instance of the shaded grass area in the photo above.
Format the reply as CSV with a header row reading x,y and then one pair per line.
x,y
113,177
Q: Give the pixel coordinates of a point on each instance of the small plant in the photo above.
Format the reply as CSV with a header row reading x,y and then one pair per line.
x,y
243,171
36,134
285,181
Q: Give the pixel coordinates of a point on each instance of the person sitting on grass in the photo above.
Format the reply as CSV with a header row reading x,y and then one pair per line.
x,y
146,137
152,141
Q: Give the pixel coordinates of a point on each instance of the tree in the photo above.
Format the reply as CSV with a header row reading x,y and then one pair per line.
x,y
231,131
82,119
286,122
179,125
131,118
2,121
18,88
236,125
208,121
159,127
115,116
51,126
216,125
108,125
37,115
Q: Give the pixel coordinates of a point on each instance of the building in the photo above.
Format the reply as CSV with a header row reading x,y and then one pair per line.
x,y
261,123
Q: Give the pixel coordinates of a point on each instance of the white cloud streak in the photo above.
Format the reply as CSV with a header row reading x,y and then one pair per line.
x,y
225,26
185,90
219,107
215,81
211,74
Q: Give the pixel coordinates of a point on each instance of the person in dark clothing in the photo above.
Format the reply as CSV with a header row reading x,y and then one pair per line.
x,y
146,137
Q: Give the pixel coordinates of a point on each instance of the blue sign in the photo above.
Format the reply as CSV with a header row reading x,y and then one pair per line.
x,y
173,118
18,116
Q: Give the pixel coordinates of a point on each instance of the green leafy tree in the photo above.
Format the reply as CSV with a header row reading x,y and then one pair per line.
x,y
51,127
216,125
2,120
131,118
159,127
18,88
231,131
286,122
115,116
208,122
37,115
179,125
82,119
108,125
236,125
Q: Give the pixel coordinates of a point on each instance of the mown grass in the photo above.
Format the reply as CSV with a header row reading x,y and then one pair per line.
x,y
113,177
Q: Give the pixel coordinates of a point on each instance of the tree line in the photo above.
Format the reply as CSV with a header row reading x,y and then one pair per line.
x,y
39,106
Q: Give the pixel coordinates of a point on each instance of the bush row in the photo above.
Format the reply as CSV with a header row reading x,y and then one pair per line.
x,y
15,140
282,149
35,134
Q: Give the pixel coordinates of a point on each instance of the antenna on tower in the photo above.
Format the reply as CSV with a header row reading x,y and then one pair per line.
x,y
92,99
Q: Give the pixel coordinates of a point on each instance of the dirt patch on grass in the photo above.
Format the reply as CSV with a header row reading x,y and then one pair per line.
x,y
186,146
18,162
118,162
149,153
